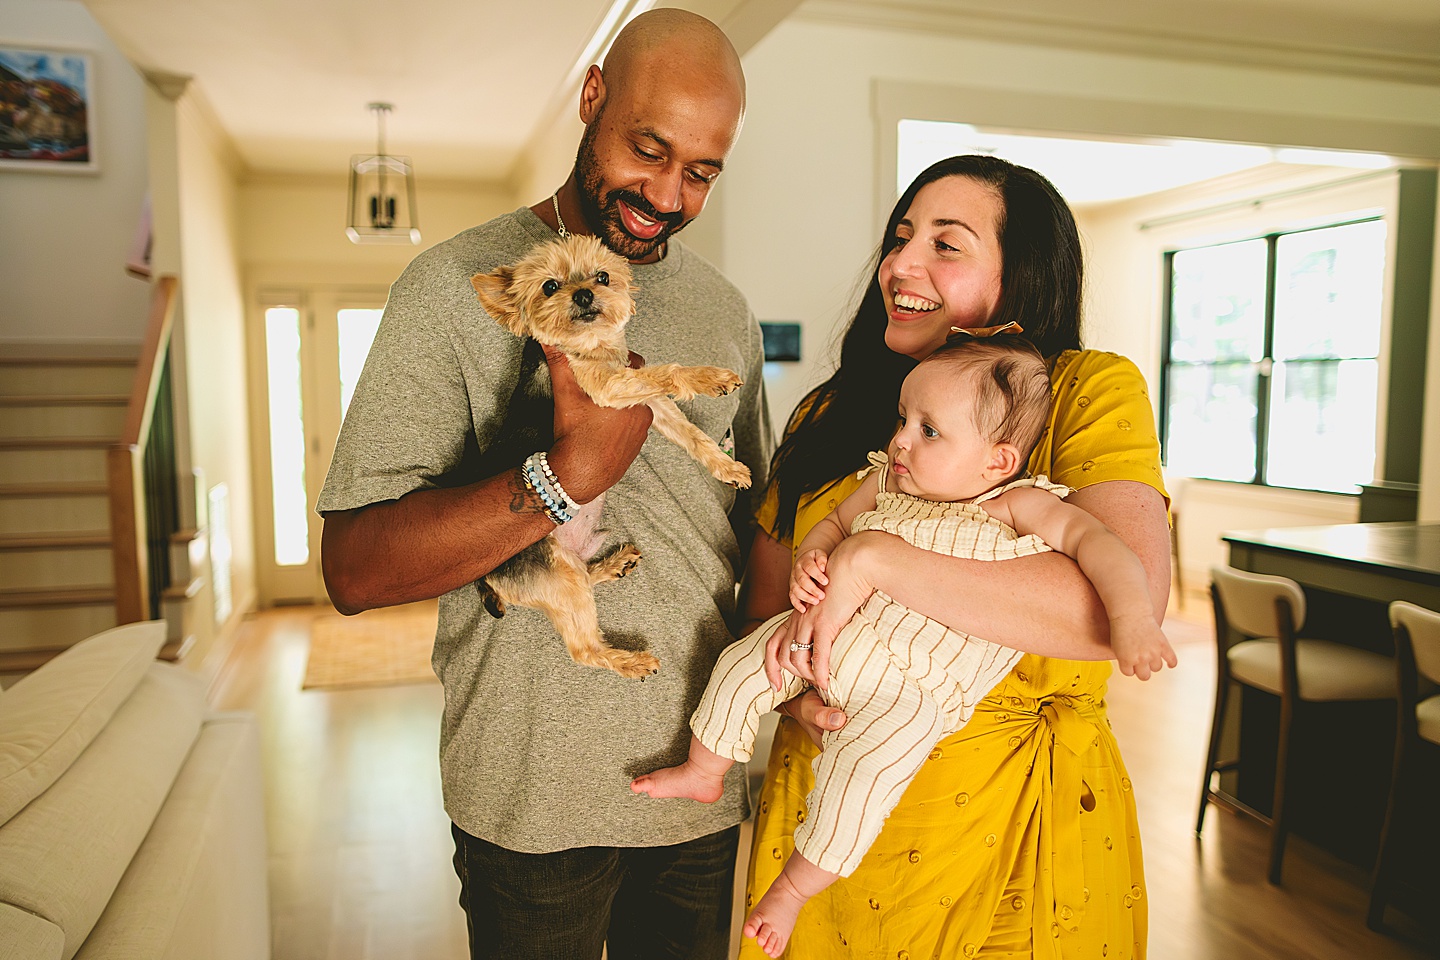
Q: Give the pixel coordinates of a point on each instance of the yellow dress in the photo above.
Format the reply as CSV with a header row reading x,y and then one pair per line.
x,y
1018,838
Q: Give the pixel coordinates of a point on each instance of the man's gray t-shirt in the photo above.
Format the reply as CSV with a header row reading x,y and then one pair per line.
x,y
536,751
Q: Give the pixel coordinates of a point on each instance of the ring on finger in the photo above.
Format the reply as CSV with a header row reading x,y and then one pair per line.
x,y
800,646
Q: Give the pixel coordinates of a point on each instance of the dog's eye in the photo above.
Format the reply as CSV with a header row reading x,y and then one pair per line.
x,y
550,287
602,278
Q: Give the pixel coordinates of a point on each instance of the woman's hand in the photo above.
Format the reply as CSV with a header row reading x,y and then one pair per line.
x,y
785,651
813,716
778,655
805,651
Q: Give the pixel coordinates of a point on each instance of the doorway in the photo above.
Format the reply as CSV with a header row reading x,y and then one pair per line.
x,y
309,346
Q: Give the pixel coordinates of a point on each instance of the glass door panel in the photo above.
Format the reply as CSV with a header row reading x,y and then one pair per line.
x,y
356,328
311,344
289,499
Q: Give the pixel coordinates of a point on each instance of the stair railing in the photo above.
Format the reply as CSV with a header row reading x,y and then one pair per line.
x,y
140,470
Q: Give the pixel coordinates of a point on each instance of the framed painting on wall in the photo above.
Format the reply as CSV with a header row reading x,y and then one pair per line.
x,y
47,109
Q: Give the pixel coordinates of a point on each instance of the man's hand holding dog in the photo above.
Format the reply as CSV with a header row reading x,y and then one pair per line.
x,y
594,445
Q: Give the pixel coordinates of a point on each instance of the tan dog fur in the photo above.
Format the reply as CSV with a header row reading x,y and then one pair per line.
x,y
583,314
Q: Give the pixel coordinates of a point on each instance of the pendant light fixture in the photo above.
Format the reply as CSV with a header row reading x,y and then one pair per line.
x,y
382,193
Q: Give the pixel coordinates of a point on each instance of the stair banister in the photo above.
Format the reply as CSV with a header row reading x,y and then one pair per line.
x,y
133,502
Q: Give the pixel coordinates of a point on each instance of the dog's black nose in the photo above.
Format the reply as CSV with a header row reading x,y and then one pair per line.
x,y
583,298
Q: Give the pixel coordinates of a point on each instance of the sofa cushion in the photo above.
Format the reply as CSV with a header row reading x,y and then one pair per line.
x,y
62,857
24,936
197,887
49,717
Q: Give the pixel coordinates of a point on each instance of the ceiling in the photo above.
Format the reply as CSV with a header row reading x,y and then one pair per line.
x,y
472,81
476,83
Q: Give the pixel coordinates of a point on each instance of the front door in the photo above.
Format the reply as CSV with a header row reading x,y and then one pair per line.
x,y
311,344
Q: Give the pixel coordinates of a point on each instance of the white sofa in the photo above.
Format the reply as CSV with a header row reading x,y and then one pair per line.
x,y
132,823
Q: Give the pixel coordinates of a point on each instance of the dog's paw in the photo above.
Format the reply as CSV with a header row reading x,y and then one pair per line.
x,y
723,382
493,604
631,663
628,558
735,473
614,564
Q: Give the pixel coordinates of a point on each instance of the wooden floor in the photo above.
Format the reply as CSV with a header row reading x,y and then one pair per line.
x,y
360,846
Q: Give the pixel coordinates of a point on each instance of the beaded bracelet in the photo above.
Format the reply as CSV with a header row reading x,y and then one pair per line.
x,y
538,477
566,500
536,485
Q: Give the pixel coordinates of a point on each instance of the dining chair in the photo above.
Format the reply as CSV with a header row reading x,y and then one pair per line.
x,y
1268,613
1417,672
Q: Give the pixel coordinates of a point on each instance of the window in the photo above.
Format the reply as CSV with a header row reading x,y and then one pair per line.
x,y
1271,373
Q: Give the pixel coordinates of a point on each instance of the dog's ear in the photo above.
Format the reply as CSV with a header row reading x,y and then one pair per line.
x,y
496,296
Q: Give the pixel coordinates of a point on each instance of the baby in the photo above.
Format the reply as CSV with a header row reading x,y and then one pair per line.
x,y
970,414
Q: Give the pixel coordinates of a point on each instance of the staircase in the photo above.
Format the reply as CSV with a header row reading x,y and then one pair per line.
x,y
58,416
63,425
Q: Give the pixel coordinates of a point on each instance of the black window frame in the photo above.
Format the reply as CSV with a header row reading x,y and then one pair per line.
x,y
1266,362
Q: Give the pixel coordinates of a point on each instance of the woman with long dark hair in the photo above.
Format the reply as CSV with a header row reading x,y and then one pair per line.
x,y
1019,836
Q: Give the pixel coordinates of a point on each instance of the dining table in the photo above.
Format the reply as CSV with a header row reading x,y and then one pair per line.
x,y
1341,758
1368,562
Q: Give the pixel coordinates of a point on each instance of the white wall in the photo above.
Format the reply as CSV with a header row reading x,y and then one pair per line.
x,y
813,174
551,156
214,329
1206,509
193,166
295,226
64,236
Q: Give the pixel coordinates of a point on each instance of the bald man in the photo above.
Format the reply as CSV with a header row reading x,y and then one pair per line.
x,y
557,858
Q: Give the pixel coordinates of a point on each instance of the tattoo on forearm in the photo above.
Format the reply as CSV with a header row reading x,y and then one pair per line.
x,y
522,498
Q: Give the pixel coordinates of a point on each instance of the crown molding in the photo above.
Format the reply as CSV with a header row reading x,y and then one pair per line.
x,y
171,86
970,21
199,109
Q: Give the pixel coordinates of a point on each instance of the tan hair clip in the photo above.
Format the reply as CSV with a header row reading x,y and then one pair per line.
x,y
1004,328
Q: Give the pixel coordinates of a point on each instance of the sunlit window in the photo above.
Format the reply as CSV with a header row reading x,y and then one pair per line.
x,y
287,436
357,333
1271,373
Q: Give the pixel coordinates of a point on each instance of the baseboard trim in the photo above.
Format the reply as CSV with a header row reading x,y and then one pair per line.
x,y
215,668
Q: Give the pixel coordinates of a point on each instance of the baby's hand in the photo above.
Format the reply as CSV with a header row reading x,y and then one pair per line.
x,y
1140,647
807,579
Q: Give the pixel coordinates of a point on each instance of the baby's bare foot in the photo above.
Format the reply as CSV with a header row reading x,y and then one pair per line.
x,y
685,780
773,919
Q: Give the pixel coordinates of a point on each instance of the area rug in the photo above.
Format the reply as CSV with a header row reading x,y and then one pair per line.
x,y
376,648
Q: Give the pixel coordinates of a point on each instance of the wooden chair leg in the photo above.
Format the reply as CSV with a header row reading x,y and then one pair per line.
x,y
1278,825
1212,756
1379,880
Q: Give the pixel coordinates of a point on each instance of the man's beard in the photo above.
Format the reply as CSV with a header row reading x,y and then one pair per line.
x,y
602,214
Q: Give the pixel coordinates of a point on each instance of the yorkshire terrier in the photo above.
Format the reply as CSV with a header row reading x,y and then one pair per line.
x,y
577,295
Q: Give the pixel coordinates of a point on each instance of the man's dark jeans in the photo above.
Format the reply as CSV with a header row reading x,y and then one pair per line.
x,y
645,903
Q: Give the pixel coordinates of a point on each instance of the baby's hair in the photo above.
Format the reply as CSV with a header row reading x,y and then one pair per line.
x,y
1012,386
